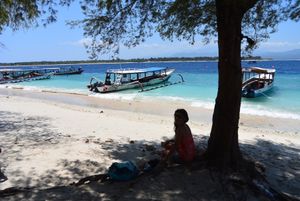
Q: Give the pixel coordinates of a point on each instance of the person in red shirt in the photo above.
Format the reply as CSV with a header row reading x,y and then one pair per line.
x,y
181,149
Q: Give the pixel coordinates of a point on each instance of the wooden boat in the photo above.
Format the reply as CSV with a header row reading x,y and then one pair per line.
x,y
257,81
68,70
251,62
62,70
122,79
21,75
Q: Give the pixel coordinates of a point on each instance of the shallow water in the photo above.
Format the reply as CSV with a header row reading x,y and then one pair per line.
x,y
199,88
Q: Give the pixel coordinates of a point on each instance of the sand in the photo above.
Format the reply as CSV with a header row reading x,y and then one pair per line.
x,y
50,139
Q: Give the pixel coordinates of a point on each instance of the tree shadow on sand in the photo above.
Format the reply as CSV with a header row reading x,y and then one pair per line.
x,y
17,130
19,134
281,164
176,183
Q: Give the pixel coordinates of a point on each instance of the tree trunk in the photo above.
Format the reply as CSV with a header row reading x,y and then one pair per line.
x,y
223,148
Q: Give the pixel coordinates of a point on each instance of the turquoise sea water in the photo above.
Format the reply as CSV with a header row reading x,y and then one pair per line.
x,y
198,90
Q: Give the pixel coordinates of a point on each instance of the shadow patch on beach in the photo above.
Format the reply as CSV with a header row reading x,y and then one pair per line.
x,y
16,128
18,135
140,149
71,171
171,184
281,163
8,122
65,173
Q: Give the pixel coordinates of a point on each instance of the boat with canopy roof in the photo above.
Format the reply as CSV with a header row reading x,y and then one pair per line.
x,y
257,81
122,79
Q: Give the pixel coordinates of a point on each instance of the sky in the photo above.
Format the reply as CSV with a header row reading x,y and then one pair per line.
x,y
58,42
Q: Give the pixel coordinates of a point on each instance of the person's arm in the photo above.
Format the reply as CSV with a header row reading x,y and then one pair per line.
x,y
188,130
178,137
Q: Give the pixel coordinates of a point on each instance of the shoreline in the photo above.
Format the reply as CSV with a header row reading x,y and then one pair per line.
x,y
155,106
152,107
126,62
50,139
247,106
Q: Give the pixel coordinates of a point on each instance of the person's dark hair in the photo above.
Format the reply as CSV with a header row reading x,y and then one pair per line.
x,y
183,114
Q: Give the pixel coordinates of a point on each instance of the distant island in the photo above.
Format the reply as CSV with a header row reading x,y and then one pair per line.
x,y
137,60
282,55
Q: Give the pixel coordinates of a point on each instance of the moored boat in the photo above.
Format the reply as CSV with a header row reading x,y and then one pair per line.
x,y
21,75
68,70
257,81
122,79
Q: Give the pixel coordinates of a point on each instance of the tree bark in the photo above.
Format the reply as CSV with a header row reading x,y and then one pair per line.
x,y
223,148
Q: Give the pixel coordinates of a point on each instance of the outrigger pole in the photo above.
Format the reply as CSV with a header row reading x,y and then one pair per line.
x,y
165,85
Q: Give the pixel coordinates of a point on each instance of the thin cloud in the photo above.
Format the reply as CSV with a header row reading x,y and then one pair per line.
x,y
80,43
280,44
156,49
171,46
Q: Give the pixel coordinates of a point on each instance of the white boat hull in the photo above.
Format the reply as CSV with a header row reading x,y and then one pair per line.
x,y
257,92
132,85
42,77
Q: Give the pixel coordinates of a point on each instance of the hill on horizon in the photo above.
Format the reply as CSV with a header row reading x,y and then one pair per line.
x,y
290,54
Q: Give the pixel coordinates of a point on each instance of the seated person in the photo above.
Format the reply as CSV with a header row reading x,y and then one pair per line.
x,y
181,149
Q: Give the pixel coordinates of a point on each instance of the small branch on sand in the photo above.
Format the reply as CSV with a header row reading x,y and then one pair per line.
x,y
97,177
14,190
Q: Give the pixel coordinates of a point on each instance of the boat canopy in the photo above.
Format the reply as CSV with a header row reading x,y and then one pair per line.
x,y
54,69
28,69
259,70
132,71
10,70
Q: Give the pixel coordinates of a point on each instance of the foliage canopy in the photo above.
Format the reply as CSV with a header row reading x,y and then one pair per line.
x,y
111,23
17,14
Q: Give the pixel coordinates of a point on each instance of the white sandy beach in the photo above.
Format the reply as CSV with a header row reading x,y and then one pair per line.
x,y
50,139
